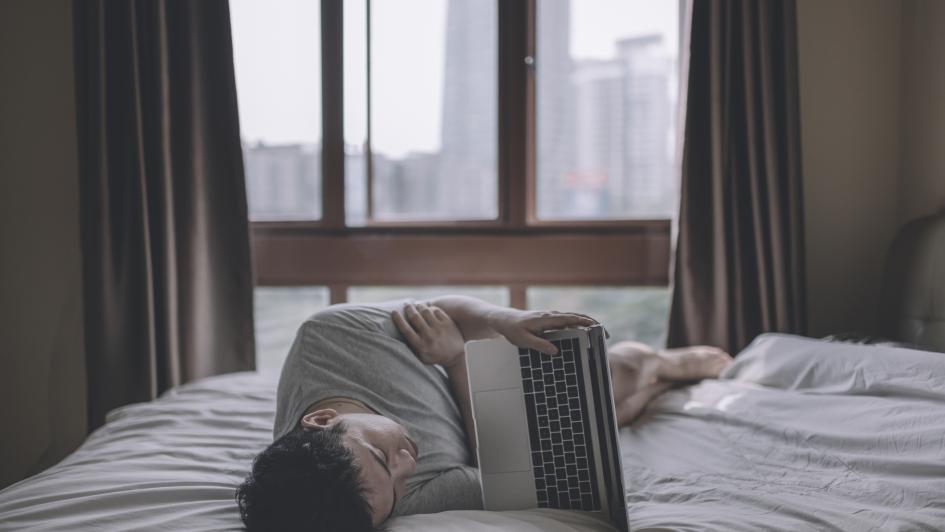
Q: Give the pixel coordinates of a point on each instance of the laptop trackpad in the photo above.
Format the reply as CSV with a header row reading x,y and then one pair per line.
x,y
508,491
502,431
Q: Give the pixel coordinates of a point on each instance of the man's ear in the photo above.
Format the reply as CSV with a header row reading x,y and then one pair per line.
x,y
319,419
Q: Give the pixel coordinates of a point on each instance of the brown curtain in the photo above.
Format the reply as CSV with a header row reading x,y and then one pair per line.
x,y
168,283
740,254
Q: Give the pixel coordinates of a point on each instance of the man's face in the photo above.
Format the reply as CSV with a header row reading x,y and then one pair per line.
x,y
384,452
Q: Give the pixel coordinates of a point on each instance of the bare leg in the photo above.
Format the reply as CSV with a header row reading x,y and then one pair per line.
x,y
634,369
693,363
639,374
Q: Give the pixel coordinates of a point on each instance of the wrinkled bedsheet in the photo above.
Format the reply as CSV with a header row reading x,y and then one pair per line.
x,y
174,464
797,435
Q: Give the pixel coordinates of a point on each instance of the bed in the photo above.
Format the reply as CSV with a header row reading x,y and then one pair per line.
x,y
798,434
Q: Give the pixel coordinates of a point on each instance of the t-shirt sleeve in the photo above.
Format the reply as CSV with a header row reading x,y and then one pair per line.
x,y
453,489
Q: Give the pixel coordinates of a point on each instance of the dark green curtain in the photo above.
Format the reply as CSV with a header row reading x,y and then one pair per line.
x,y
739,268
166,257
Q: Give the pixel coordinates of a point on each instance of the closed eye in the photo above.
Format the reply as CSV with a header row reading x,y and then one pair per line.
x,y
381,459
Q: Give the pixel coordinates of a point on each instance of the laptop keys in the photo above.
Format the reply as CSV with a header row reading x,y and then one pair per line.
x,y
557,428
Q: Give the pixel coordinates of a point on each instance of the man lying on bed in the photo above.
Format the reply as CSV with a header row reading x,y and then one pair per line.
x,y
373,417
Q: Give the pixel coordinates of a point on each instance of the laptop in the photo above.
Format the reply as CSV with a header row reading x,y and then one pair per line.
x,y
546,426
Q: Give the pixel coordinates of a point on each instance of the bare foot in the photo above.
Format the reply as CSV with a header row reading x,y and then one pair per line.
x,y
693,363
640,374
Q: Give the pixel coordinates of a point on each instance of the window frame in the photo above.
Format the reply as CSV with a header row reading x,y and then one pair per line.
x,y
516,249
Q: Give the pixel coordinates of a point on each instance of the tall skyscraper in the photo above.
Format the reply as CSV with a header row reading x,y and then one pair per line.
x,y
650,125
467,170
555,148
623,132
598,174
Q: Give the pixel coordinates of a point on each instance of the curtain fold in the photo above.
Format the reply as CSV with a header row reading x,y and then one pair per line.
x,y
739,265
165,239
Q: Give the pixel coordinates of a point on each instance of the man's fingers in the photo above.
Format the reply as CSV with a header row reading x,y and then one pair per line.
x,y
416,319
440,314
543,345
582,318
560,321
405,329
585,316
429,315
531,341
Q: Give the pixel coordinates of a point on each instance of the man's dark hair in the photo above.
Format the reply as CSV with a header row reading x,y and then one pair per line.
x,y
305,480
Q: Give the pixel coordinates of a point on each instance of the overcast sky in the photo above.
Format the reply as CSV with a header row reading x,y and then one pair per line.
x,y
276,55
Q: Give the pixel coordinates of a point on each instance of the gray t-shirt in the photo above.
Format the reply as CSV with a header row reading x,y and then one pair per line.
x,y
355,351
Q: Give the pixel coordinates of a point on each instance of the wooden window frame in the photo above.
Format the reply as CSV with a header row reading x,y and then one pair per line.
x,y
515,250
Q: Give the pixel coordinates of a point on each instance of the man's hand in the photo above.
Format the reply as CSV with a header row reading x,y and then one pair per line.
x,y
523,327
430,332
436,332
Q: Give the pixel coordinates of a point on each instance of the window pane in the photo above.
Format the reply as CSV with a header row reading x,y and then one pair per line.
x,y
278,314
276,54
606,75
628,313
497,295
355,111
433,109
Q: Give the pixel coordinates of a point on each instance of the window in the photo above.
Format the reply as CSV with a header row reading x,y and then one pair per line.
x,y
432,108
628,313
606,99
518,151
496,295
279,87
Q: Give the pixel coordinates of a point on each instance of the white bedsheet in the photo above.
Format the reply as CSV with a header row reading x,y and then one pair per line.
x,y
798,435
174,463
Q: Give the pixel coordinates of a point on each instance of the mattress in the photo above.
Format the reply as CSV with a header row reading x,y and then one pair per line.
x,y
798,434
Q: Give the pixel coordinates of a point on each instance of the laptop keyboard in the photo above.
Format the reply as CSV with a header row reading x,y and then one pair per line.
x,y
562,458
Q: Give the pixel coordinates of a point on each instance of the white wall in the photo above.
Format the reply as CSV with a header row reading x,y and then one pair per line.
x,y
850,126
922,148
42,361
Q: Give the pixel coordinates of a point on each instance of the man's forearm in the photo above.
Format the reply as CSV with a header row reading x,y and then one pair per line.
x,y
459,383
475,318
